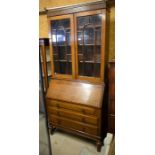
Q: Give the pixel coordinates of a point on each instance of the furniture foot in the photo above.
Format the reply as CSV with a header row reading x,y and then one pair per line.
x,y
99,145
52,129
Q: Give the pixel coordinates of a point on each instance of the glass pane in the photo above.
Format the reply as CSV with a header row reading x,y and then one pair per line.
x,y
95,19
89,45
61,46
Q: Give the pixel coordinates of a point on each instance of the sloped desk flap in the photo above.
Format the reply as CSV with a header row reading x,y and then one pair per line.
x,y
76,92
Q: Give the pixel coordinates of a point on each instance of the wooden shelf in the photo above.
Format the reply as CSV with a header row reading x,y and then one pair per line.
x,y
78,45
89,62
62,61
89,45
81,31
90,26
66,28
57,54
60,45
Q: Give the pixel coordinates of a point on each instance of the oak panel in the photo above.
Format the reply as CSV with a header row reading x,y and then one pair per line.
x,y
83,93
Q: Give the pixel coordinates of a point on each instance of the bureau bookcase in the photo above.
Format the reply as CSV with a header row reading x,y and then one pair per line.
x,y
75,97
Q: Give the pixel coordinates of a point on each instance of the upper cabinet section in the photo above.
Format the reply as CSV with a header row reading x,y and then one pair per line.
x,y
77,42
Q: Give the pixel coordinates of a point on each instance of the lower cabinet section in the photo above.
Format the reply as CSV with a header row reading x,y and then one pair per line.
x,y
76,107
79,118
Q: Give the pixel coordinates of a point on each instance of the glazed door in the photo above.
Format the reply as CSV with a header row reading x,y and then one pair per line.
x,y
62,46
90,45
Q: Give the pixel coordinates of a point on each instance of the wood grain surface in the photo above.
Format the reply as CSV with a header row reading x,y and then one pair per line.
x,y
76,92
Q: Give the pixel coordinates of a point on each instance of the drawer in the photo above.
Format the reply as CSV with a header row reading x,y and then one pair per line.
x,y
73,107
70,124
73,115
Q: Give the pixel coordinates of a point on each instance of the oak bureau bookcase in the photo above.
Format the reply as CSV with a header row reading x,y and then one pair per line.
x,y
75,97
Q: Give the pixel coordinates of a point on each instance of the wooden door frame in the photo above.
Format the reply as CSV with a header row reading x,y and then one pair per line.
x,y
68,16
103,34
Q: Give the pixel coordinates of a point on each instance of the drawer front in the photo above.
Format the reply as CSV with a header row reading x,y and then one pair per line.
x,y
67,123
73,115
73,107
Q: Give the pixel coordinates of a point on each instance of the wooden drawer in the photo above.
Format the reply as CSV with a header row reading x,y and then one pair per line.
x,y
73,115
67,123
73,107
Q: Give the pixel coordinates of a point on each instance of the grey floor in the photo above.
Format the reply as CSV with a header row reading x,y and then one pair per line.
x,y
67,144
